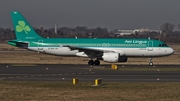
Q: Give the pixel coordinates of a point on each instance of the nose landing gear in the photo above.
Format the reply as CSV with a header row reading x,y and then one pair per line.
x,y
150,62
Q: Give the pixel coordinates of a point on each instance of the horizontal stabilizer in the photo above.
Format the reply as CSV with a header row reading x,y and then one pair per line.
x,y
19,44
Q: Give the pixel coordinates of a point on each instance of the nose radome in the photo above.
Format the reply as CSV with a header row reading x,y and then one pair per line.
x,y
170,51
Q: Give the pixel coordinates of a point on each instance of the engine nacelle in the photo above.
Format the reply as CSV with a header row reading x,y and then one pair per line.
x,y
81,54
114,57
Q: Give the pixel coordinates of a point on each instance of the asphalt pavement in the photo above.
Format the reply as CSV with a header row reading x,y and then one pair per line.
x,y
33,72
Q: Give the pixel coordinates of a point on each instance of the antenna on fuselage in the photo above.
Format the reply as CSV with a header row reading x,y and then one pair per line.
x,y
149,38
76,37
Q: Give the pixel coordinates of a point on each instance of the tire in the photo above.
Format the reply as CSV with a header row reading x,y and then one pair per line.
x,y
150,64
97,62
91,62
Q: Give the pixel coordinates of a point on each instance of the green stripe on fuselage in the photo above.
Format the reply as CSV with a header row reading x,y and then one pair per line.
x,y
90,42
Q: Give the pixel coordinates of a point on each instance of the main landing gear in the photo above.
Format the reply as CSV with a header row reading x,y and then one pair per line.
x,y
96,62
150,62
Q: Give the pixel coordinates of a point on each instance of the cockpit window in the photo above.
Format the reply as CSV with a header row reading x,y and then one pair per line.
x,y
162,45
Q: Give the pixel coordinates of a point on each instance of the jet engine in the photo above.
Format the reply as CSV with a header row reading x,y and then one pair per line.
x,y
114,57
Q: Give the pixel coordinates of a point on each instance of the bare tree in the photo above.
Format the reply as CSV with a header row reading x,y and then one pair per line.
x,y
178,26
167,28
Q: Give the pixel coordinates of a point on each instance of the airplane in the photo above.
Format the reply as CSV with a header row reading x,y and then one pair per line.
x,y
111,50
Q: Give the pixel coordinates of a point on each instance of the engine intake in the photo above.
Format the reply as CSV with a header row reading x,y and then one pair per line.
x,y
114,57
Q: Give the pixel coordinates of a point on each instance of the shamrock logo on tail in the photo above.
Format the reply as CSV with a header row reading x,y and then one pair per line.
x,y
22,27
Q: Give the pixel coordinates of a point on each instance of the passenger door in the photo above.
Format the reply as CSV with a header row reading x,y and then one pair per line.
x,y
150,45
40,45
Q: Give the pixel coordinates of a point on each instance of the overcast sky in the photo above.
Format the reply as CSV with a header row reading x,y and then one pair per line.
x,y
112,14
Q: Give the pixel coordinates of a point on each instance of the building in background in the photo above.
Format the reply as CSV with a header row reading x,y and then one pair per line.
x,y
124,32
140,31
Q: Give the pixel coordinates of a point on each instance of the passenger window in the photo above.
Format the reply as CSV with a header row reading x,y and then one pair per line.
x,y
162,45
159,45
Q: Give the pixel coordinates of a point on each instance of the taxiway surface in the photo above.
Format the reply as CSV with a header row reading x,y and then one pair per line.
x,y
85,73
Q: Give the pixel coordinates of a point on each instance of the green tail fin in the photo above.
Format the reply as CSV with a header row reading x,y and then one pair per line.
x,y
22,28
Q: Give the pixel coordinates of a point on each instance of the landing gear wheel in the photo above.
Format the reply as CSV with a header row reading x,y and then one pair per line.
x,y
91,62
97,62
150,63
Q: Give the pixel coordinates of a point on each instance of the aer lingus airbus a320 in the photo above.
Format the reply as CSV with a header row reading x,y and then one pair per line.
x,y
107,49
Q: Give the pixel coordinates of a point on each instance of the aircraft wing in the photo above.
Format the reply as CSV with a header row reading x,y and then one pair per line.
x,y
89,51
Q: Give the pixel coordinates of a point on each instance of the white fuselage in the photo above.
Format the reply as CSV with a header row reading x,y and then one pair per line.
x,y
129,52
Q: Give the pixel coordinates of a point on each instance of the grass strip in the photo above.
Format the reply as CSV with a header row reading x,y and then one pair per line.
x,y
112,91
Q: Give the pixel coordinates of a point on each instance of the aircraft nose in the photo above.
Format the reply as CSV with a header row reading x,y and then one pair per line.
x,y
170,51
